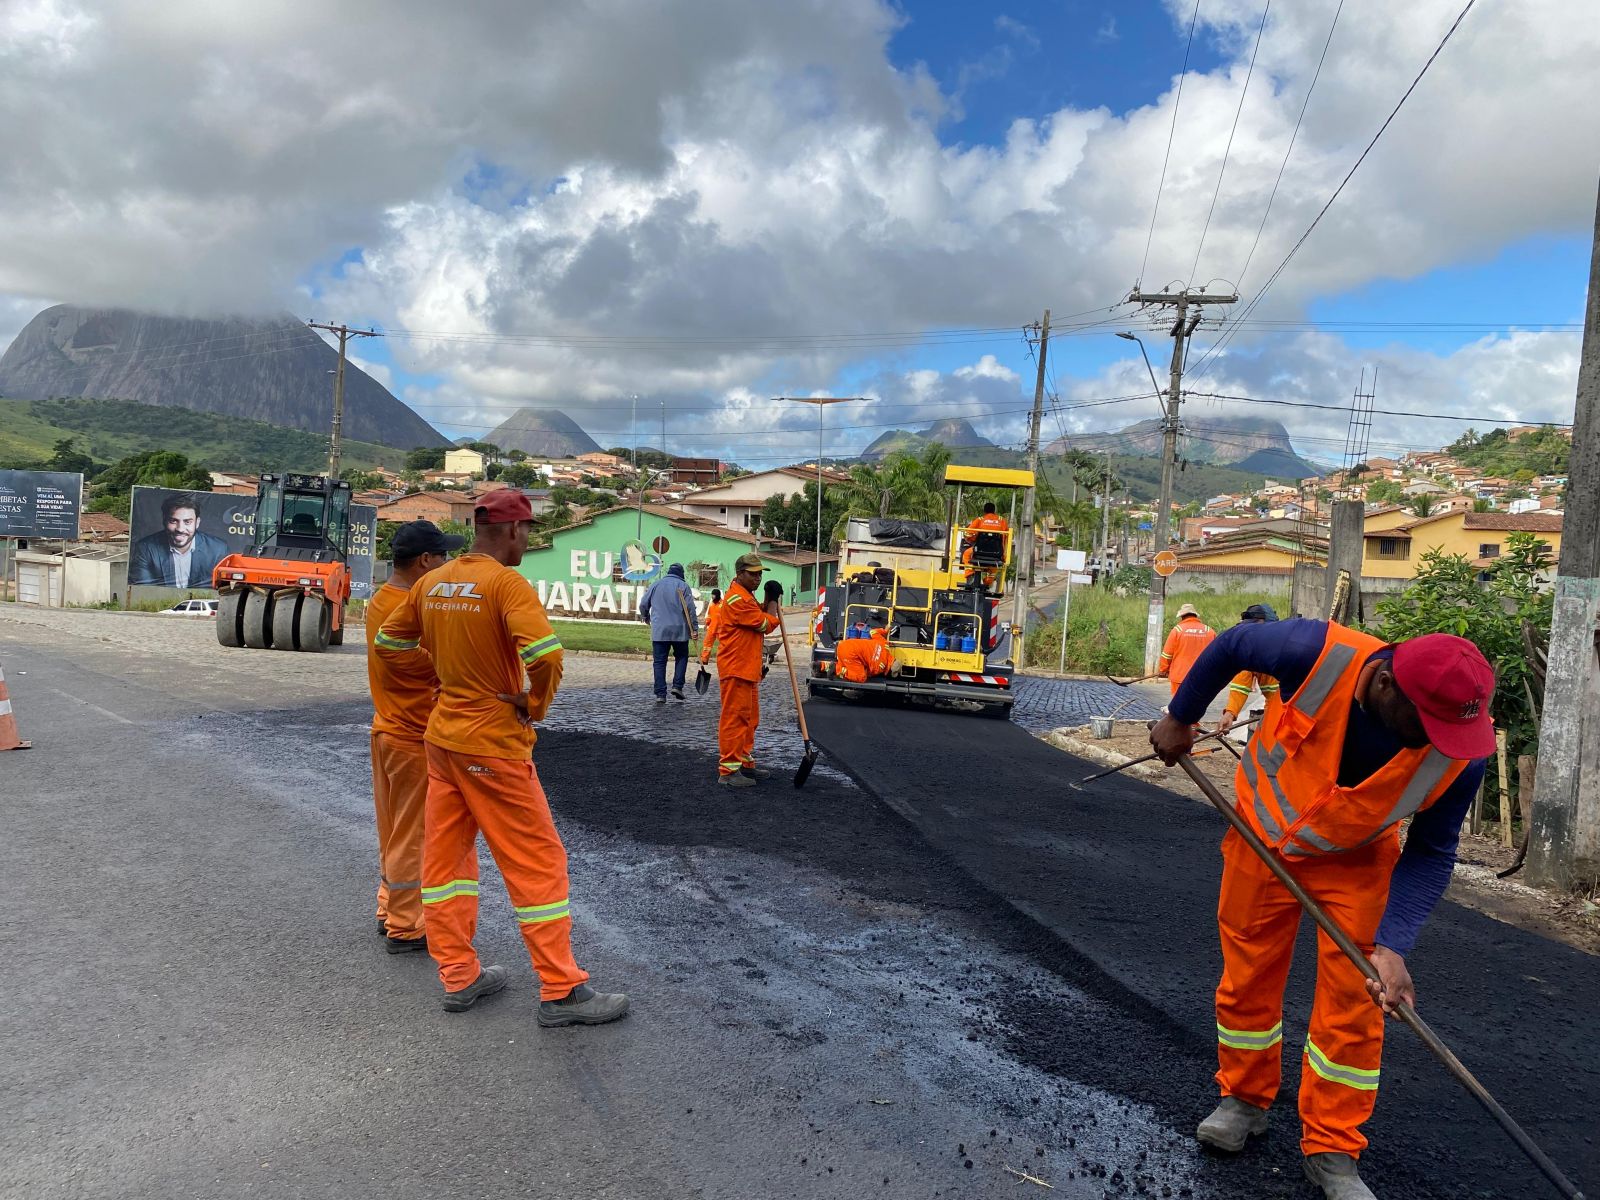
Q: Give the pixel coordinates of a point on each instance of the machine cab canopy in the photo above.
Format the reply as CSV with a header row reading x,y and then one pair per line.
x,y
308,515
988,477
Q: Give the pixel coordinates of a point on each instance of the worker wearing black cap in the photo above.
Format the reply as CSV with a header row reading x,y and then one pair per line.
x,y
1239,689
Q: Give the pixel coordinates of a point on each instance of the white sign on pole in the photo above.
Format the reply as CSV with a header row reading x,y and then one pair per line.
x,y
1071,560
1081,579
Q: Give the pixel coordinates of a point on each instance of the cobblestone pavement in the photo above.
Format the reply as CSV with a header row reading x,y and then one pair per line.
x,y
1044,704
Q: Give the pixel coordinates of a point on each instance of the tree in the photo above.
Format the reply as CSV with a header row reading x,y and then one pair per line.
x,y
1385,491
487,449
425,458
517,456
362,481
67,457
794,518
1423,504
521,475
1482,505
154,468
493,471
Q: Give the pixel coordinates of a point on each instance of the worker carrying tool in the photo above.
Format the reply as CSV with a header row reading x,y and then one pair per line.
x,y
1245,681
989,521
708,637
866,653
740,633
1185,642
1368,735
403,690
499,664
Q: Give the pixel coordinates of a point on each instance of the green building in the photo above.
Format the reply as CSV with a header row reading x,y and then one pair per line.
x,y
601,565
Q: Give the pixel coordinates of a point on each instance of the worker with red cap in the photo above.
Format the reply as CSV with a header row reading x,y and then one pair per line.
x,y
1367,735
740,631
403,691
499,664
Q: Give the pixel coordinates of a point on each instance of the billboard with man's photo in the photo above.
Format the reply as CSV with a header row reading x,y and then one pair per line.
x,y
177,538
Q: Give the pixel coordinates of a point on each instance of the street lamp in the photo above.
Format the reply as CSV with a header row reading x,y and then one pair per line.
x,y
1133,337
821,402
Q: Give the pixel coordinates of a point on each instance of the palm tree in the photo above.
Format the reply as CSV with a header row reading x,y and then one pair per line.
x,y
1423,504
902,485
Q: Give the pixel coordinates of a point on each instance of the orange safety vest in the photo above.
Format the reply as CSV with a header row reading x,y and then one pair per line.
x,y
1288,780
859,659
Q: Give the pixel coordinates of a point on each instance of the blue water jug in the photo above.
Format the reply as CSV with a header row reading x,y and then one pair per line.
x,y
968,645
941,641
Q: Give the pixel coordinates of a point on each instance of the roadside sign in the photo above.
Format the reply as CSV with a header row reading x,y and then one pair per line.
x,y
40,504
1070,560
1166,563
1081,579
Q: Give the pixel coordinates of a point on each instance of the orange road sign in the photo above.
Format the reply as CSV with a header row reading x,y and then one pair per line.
x,y
1165,563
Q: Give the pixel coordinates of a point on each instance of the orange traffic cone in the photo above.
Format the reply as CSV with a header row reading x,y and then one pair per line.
x,y
8,723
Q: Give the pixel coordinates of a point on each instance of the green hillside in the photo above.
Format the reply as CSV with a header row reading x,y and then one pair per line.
x,y
107,430
1140,475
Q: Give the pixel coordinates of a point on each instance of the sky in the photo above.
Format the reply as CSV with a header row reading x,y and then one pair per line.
x,y
691,209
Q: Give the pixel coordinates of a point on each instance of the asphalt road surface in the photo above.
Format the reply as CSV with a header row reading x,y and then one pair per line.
x,y
1121,881
833,996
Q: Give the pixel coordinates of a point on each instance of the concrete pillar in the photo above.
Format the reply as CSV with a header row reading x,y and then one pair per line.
x,y
1344,554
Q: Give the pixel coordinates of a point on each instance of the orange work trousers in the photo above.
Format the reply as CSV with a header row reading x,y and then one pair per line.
x,y
1259,920
399,792
502,798
736,728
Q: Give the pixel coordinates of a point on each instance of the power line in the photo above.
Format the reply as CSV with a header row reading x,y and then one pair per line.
x,y
1228,149
1315,75
1384,412
1227,335
1177,102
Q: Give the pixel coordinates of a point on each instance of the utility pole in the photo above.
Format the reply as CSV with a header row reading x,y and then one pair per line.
x,y
1564,837
1024,563
336,440
1183,327
1105,517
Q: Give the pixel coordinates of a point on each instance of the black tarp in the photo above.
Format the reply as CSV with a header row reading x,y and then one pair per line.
x,y
915,535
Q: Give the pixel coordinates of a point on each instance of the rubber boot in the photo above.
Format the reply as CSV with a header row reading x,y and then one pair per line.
x,y
583,1006
757,773
489,981
1337,1176
738,779
1231,1124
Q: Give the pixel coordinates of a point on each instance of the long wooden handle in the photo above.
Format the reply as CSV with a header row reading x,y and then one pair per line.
x,y
1402,1010
794,680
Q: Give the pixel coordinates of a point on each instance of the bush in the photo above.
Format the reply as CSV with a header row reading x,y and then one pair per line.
x,y
1105,633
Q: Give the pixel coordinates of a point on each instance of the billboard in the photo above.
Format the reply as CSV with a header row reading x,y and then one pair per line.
x,y
177,538
40,504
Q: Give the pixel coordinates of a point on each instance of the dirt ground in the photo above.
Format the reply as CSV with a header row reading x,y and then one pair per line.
x,y
1572,919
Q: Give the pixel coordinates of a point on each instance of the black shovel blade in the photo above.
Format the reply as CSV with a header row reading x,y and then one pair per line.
x,y
803,771
702,681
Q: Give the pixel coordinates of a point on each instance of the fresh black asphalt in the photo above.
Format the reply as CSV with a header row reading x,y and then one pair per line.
x,y
1121,881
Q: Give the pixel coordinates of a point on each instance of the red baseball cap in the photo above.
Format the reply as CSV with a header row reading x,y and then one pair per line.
x,y
506,504
1452,685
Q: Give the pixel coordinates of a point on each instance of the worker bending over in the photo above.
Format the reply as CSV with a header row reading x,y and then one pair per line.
x,y
740,634
865,656
403,690
1239,689
988,521
1185,642
1368,735
499,665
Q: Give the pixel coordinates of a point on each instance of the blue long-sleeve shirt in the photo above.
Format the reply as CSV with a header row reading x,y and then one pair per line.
x,y
1288,650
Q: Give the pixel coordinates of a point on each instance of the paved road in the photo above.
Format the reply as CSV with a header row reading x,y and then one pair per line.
x,y
1122,884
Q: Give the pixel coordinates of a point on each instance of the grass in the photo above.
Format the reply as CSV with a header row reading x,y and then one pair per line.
x,y
1105,632
597,635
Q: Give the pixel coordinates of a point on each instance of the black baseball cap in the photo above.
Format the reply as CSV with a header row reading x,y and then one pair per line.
x,y
1259,612
416,538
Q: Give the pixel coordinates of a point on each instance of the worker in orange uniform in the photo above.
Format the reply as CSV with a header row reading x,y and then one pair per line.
x,y
1185,641
740,632
708,635
499,664
865,656
1369,735
1239,689
988,522
403,690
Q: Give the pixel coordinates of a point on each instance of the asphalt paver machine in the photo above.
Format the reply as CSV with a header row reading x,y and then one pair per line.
x,y
939,590
288,591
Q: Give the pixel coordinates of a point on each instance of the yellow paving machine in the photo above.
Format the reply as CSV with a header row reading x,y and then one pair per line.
x,y
938,589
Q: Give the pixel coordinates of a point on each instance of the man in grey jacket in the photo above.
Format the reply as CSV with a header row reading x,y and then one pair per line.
x,y
669,605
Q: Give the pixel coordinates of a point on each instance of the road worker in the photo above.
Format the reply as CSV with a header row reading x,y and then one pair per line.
x,y
1367,735
1185,641
1239,690
740,633
865,656
988,521
708,637
499,664
402,700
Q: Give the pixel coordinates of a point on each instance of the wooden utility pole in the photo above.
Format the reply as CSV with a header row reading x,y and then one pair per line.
x,y
1105,517
336,439
1183,327
1564,839
1024,557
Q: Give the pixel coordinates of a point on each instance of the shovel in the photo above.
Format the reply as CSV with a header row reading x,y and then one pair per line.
x,y
702,677
803,771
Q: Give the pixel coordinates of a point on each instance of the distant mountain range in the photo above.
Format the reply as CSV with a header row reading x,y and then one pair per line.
x,y
543,433
1252,444
274,370
955,433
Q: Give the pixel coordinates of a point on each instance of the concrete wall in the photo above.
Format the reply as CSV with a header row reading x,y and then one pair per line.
x,y
1309,597
1240,579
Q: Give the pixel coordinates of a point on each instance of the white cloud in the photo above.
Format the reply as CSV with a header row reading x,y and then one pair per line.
x,y
667,196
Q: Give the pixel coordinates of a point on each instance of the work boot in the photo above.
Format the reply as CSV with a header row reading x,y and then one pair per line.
x,y
489,981
583,1006
1337,1176
737,779
396,945
677,694
1231,1124
755,772
661,699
